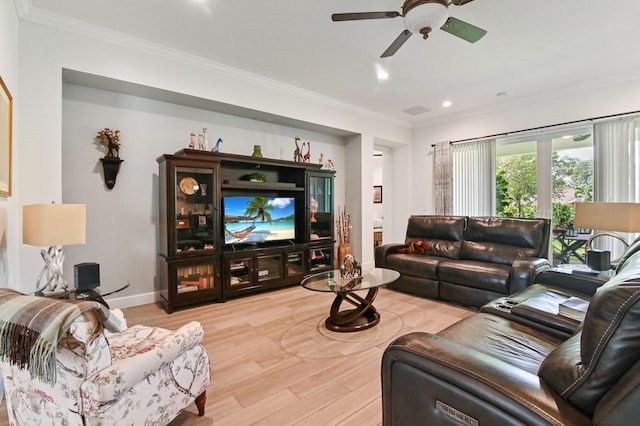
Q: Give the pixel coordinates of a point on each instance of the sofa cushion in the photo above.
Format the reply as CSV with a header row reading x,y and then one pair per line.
x,y
502,240
487,276
415,264
585,367
442,234
516,344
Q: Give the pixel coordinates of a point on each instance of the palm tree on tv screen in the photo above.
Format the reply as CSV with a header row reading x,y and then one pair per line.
x,y
258,208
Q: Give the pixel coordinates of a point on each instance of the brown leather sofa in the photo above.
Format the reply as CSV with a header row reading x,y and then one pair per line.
x,y
471,260
505,368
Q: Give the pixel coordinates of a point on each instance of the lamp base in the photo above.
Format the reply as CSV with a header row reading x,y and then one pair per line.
x,y
625,243
52,273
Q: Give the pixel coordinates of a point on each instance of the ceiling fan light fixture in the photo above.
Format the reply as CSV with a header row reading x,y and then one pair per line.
x,y
426,15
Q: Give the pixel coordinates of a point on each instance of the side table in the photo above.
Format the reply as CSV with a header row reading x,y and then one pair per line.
x,y
74,294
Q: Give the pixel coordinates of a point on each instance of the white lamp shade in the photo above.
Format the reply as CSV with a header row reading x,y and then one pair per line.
x,y
620,217
427,15
46,225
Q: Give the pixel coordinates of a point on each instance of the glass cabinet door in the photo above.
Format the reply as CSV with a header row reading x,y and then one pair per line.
x,y
240,272
194,205
320,259
320,204
295,264
269,267
195,277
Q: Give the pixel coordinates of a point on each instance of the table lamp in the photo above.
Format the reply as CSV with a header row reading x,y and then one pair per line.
x,y
53,225
608,217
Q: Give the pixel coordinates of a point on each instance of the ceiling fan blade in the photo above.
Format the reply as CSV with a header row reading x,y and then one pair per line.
x,y
462,29
336,17
397,44
460,2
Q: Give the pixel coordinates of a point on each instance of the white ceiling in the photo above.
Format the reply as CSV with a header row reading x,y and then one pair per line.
x,y
533,48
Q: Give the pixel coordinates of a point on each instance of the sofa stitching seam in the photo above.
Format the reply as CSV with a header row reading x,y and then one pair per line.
x,y
605,336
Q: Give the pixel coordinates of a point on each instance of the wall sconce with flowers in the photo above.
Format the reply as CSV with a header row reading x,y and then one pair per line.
x,y
111,161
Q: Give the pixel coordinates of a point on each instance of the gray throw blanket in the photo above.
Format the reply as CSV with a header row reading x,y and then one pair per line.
x,y
30,328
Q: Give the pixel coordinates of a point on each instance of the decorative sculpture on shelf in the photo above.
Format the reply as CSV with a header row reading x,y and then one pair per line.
x,y
321,159
297,154
350,267
111,161
203,142
330,165
192,140
217,147
307,156
313,204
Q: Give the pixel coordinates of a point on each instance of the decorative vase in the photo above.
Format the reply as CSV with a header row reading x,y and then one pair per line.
x,y
257,151
343,250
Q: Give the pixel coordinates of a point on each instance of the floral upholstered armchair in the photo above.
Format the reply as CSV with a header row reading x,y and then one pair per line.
x,y
76,363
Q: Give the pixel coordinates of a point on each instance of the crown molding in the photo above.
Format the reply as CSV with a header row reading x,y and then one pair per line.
x,y
27,12
22,7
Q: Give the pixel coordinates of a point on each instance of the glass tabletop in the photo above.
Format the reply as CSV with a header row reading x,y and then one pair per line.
x,y
332,282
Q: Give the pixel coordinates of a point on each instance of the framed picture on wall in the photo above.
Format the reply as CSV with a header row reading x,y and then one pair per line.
x,y
6,111
377,194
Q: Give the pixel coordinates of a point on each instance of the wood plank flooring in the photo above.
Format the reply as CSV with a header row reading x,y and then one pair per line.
x,y
274,363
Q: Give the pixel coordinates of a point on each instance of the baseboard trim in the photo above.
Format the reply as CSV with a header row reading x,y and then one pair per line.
x,y
135,300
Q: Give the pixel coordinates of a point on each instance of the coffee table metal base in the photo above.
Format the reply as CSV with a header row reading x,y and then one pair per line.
x,y
363,317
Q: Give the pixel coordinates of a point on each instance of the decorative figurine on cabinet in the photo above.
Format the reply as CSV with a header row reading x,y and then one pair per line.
x,y
307,156
297,155
330,165
217,147
203,143
192,140
321,159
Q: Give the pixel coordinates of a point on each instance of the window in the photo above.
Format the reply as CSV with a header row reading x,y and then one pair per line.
x,y
543,176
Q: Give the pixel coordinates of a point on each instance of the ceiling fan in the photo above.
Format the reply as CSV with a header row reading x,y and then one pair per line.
x,y
420,17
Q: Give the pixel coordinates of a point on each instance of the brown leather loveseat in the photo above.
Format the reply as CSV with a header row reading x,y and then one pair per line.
x,y
494,370
470,260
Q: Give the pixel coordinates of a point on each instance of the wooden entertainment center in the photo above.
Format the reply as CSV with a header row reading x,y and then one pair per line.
x,y
208,252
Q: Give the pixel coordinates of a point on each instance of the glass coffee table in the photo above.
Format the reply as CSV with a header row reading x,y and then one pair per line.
x,y
364,315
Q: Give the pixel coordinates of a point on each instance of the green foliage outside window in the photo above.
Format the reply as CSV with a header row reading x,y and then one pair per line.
x,y
517,192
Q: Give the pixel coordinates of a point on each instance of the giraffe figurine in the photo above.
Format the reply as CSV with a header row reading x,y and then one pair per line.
x,y
307,156
297,156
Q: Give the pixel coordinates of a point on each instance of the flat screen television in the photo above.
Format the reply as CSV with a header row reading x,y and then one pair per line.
x,y
254,220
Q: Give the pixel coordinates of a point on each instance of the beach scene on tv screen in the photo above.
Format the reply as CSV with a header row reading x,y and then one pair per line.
x,y
258,219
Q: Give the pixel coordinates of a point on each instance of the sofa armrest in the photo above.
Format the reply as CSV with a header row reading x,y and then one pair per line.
x,y
124,373
574,282
525,271
427,378
383,251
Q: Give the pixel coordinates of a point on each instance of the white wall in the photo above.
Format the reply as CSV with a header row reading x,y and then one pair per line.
x,y
44,51
9,206
124,219
582,103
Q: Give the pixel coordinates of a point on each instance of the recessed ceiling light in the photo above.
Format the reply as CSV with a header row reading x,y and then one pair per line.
x,y
447,104
383,75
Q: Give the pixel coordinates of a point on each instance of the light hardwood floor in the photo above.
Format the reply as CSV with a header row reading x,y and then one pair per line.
x,y
274,363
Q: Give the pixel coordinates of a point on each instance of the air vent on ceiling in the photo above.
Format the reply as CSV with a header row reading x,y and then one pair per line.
x,y
416,110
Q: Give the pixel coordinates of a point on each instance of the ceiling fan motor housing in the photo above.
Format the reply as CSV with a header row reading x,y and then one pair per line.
x,y
420,16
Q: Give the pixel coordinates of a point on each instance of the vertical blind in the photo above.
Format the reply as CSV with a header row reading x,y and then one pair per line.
x,y
473,178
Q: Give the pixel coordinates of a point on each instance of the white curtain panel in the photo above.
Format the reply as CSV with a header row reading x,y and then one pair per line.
x,y
616,167
443,179
473,178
